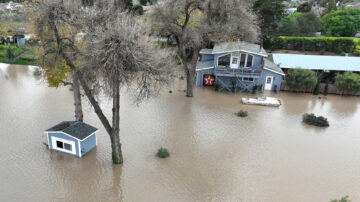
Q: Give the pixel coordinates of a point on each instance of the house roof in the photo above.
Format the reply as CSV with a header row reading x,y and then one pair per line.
x,y
317,62
235,46
75,129
202,65
269,65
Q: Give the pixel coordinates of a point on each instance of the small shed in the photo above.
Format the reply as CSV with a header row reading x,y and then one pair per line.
x,y
72,137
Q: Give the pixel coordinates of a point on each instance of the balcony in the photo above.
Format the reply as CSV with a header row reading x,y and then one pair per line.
x,y
237,72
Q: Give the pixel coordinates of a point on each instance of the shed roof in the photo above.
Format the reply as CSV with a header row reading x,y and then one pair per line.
x,y
202,65
317,62
269,65
75,129
235,46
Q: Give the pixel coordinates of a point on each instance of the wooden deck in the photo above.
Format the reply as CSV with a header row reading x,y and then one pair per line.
x,y
241,72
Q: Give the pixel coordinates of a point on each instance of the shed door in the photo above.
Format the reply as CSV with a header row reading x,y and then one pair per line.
x,y
269,82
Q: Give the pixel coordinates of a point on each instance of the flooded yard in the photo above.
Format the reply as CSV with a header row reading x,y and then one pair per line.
x,y
215,156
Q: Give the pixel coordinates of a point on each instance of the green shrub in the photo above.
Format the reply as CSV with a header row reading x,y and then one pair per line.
x,y
254,89
343,199
143,2
242,113
317,87
163,153
216,86
342,53
300,79
233,85
37,71
322,52
138,9
311,119
333,44
344,22
9,55
348,82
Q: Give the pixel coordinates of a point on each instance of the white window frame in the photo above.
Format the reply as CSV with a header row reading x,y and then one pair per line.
x,y
246,59
222,56
54,145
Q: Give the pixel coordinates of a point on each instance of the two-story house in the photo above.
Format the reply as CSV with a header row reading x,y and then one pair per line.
x,y
238,64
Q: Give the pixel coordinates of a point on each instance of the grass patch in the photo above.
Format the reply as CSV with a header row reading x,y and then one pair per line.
x,y
163,153
311,119
27,58
12,24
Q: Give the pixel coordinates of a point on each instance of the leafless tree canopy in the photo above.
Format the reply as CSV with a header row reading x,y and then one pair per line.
x,y
121,51
115,51
204,21
196,24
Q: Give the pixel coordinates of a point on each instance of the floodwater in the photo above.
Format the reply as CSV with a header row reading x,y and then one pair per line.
x,y
215,156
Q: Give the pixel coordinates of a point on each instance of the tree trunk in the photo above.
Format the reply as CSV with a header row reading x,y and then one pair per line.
x,y
190,77
77,99
115,136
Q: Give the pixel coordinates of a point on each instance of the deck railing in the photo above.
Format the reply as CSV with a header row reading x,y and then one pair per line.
x,y
237,72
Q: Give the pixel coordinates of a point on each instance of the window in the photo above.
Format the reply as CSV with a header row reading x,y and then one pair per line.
x,y
242,60
234,61
268,80
63,145
224,60
248,79
67,147
59,144
249,61
246,60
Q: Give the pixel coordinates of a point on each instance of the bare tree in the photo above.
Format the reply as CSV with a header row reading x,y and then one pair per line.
x,y
117,53
196,24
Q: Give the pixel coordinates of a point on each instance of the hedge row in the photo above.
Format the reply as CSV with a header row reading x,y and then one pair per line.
x,y
332,44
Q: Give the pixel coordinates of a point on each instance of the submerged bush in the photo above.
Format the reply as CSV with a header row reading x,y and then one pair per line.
x,y
163,153
37,72
216,86
311,119
343,199
242,113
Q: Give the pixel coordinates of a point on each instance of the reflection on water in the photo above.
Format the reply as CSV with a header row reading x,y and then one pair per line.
x,y
215,155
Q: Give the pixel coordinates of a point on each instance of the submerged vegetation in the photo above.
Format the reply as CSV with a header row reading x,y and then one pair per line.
x,y
163,153
311,119
242,113
343,199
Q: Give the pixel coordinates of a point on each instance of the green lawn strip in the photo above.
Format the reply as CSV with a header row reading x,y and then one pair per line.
x,y
27,58
13,24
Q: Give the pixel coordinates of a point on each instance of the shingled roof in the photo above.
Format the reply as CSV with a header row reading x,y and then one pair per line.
x,y
75,129
236,46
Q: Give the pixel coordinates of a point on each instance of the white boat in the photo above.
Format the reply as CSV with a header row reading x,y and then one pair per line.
x,y
265,101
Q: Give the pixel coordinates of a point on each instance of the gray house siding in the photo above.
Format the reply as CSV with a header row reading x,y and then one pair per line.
x,y
65,137
88,144
200,76
276,82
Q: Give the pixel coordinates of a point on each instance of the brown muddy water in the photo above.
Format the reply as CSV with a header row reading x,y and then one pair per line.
x,y
215,156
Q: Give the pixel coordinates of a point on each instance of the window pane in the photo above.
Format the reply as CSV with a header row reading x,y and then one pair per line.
x,y
242,60
268,80
249,61
224,60
59,144
67,147
235,61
